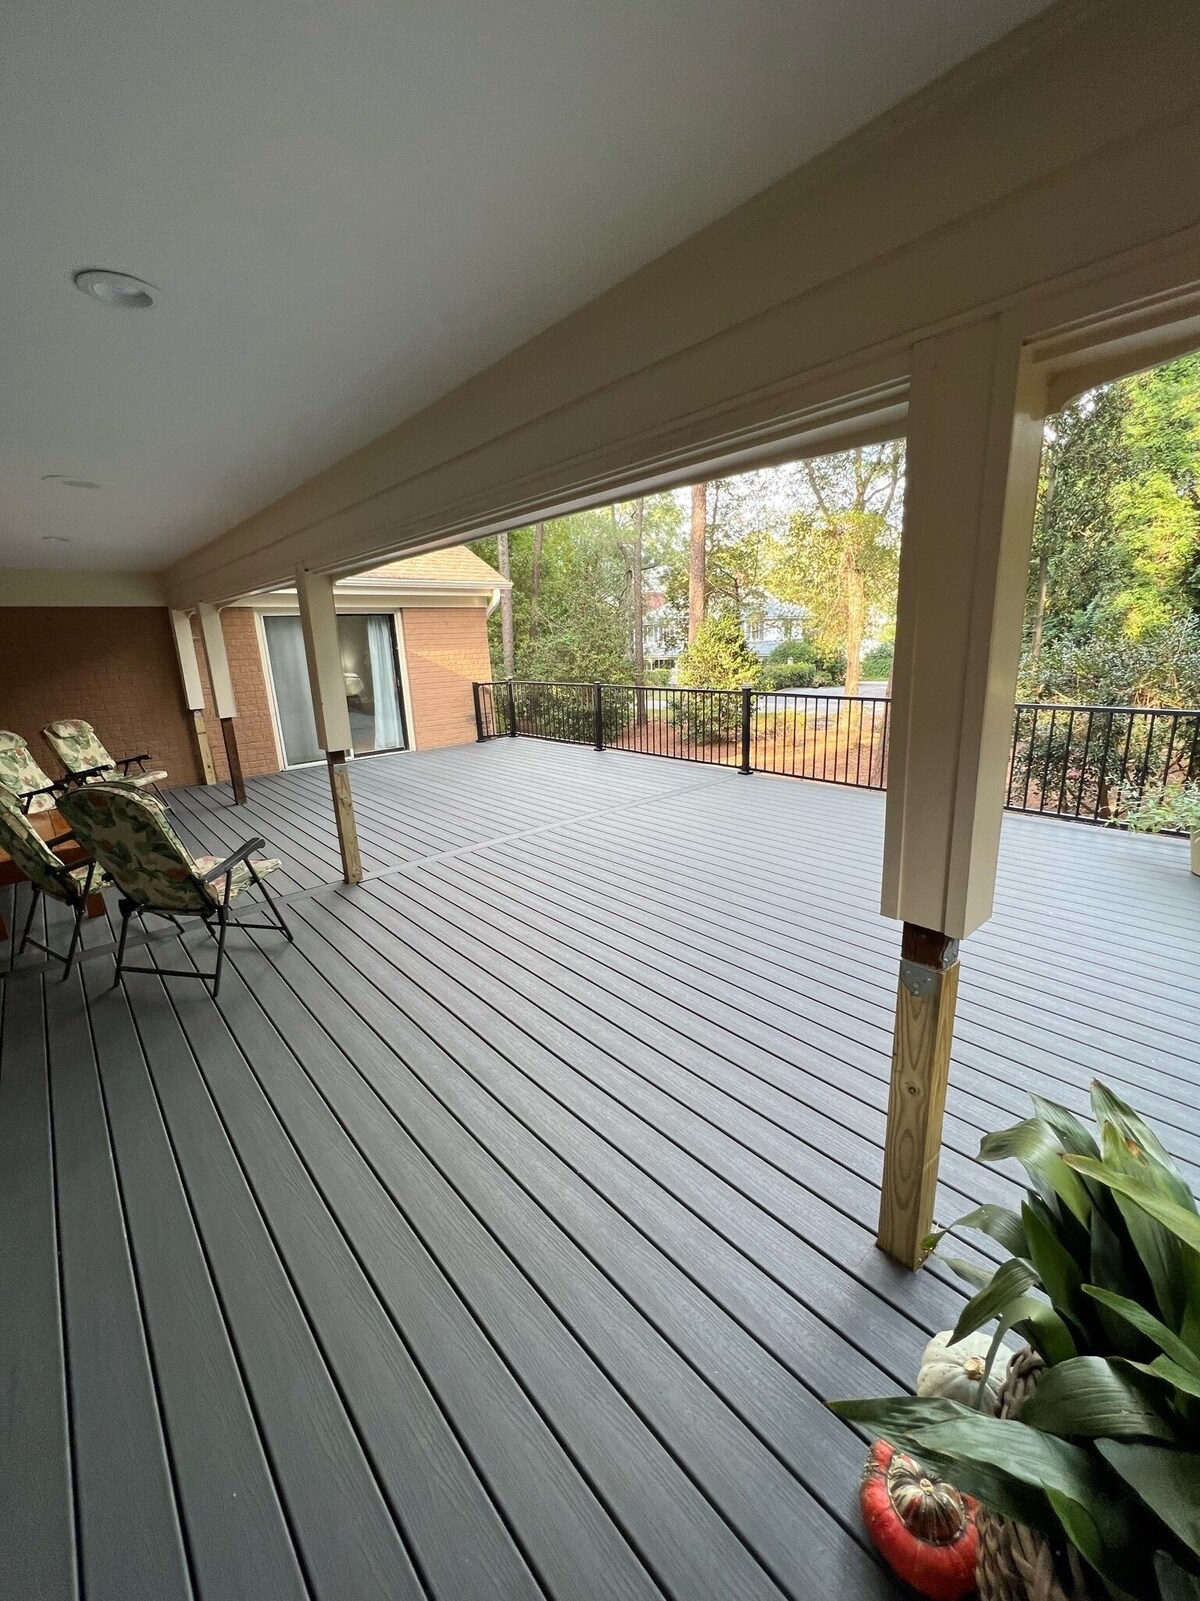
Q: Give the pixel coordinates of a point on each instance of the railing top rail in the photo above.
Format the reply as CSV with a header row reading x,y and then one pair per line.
x,y
1143,711
831,692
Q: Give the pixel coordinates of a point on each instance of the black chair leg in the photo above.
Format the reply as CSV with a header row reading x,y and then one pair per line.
x,y
126,914
272,903
223,919
80,911
33,902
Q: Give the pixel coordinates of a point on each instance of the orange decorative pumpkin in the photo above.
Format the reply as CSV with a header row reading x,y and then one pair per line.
x,y
922,1527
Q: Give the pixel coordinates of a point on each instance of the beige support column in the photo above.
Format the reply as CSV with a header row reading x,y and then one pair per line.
x,y
319,619
974,444
193,690
223,696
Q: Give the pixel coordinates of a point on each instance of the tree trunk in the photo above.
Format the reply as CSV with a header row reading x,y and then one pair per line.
x,y
1043,587
1039,607
535,580
697,563
639,618
855,619
506,606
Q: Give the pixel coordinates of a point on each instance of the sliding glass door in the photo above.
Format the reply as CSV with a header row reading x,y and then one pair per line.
x,y
372,673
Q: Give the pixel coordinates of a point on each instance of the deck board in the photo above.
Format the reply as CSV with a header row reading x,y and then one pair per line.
x,y
505,1235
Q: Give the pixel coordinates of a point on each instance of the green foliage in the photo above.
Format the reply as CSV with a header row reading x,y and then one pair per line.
x,y
877,663
718,658
801,664
1173,809
1161,667
580,626
1117,545
1104,1282
839,558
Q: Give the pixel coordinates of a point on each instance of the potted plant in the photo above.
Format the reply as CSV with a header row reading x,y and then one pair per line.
x,y
1088,1477
1174,809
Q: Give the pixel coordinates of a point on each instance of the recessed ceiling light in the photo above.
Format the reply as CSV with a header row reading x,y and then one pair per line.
x,y
114,288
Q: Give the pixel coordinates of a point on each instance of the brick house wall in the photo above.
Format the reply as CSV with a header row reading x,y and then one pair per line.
x,y
114,666
255,730
446,649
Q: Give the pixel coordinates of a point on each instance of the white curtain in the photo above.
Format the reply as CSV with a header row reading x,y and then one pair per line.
x,y
293,697
389,729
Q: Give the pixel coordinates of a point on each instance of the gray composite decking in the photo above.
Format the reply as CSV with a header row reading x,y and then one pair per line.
x,y
504,1235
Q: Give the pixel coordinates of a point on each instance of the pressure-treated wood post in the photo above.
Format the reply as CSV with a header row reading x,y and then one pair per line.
x,y
974,442
193,689
328,682
223,696
925,998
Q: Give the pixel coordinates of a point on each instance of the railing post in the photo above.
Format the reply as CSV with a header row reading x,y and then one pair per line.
x,y
480,736
598,715
746,713
512,710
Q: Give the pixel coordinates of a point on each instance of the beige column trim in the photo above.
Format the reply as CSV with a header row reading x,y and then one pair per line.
x,y
193,689
318,617
224,699
974,444
223,696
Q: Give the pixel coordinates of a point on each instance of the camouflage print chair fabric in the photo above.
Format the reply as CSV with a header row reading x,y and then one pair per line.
x,y
79,749
131,838
46,873
20,775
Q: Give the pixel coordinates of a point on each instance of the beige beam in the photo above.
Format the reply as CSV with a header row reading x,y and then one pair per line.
x,y
326,677
976,407
223,696
193,688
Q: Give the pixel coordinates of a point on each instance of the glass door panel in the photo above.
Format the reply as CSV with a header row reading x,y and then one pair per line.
x,y
371,671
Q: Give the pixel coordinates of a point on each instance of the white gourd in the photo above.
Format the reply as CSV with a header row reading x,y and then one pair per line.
x,y
953,1371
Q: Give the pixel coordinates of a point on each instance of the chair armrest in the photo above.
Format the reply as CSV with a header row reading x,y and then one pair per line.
x,y
88,772
242,854
127,761
29,795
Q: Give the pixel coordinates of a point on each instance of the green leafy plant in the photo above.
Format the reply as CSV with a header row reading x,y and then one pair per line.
x,y
718,658
1103,1280
1173,809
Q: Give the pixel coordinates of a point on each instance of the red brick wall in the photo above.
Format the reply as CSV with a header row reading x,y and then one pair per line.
x,y
255,732
446,648
114,666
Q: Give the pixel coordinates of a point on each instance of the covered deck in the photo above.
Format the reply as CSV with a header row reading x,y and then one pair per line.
x,y
504,1236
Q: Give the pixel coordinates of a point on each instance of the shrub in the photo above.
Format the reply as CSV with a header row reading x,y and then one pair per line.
x,y
877,663
718,658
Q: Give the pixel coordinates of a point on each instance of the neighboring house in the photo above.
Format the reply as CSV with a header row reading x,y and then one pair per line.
x,y
413,637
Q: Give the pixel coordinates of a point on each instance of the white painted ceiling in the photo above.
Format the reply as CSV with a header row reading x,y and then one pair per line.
x,y
349,206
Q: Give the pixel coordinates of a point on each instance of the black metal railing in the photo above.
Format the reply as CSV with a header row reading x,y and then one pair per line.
x,y
798,733
1079,761
1065,761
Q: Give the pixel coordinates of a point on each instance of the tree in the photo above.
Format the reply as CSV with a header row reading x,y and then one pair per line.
x,y
839,559
1116,550
698,561
718,658
535,578
506,605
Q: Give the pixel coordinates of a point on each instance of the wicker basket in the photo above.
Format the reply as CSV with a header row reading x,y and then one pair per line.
x,y
1016,1563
